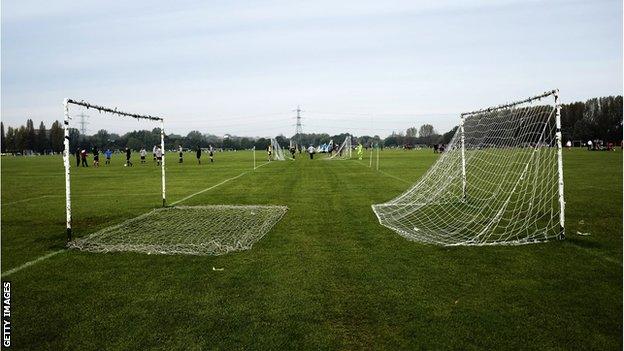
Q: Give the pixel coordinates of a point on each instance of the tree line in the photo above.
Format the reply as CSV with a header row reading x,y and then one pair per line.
x,y
597,118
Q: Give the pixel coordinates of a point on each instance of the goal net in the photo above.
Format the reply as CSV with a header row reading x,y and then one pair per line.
x,y
499,181
189,230
278,152
344,151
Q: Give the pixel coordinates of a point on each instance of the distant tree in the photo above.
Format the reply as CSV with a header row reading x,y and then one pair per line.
x,y
101,139
282,140
446,137
10,140
134,143
194,139
74,139
43,143
246,143
2,138
56,137
426,130
30,136
262,143
20,139
411,132
394,139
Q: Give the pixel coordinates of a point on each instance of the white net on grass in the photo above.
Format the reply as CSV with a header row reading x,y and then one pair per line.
x,y
189,230
511,182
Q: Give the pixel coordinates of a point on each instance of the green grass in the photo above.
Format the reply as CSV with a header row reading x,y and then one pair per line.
x,y
327,276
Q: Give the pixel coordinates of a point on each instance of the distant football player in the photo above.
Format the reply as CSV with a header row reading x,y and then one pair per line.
x,y
83,158
77,157
96,157
181,154
211,154
292,151
198,155
108,153
159,156
128,155
143,153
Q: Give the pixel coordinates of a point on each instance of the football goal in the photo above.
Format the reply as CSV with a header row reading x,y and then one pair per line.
x,y
277,151
88,148
344,151
499,181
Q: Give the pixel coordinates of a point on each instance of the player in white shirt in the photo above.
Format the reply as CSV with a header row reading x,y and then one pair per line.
x,y
311,152
159,156
143,153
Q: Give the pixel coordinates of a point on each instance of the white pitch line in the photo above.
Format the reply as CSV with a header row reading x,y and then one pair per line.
x,y
30,263
264,164
75,196
397,178
388,174
209,188
25,200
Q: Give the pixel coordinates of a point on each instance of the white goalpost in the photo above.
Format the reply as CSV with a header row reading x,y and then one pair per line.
x,y
344,151
500,181
66,151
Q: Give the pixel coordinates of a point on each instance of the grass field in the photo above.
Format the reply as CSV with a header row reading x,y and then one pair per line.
x,y
327,276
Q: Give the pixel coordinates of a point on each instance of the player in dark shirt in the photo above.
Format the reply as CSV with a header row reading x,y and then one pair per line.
x,y
96,157
128,155
198,152
78,157
292,151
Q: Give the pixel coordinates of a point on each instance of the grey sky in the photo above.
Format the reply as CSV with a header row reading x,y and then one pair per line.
x,y
240,67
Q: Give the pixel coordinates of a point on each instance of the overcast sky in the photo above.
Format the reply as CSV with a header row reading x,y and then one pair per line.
x,y
241,67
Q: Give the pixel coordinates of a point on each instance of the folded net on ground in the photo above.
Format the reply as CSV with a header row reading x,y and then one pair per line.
x,y
190,230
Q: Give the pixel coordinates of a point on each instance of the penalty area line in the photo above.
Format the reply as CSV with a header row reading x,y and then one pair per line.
x,y
216,185
209,188
30,263
386,174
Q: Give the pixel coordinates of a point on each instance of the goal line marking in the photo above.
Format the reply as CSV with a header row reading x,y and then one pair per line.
x,y
30,263
51,254
73,196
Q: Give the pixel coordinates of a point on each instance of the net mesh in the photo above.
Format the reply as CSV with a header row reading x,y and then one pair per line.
x,y
511,182
190,230
278,152
344,151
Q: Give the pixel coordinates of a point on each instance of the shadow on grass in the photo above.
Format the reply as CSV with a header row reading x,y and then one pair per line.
x,y
584,243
